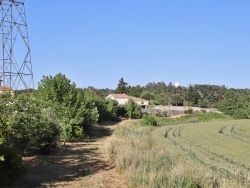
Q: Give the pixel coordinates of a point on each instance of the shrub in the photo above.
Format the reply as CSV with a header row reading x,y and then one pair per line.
x,y
158,114
165,114
132,109
203,111
121,112
32,125
11,167
149,120
162,114
189,111
26,123
193,120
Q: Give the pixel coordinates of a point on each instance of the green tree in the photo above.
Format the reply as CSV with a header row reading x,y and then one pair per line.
x,y
112,109
132,109
235,105
134,90
177,100
192,96
75,111
107,109
122,87
162,99
147,95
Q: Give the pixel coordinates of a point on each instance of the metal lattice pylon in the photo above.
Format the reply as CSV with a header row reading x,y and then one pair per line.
x,y
15,66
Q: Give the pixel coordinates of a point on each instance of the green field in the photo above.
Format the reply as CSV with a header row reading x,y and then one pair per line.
x,y
221,147
202,154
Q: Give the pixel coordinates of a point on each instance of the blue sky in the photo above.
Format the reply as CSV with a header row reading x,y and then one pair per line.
x,y
96,42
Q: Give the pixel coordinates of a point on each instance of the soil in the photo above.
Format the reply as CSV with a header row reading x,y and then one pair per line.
x,y
76,164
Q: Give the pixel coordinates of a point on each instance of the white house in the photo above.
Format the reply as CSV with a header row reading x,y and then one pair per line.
x,y
123,99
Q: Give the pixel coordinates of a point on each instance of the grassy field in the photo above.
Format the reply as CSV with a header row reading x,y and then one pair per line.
x,y
200,154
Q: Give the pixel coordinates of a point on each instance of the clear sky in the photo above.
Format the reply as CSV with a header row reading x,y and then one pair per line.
x,y
96,42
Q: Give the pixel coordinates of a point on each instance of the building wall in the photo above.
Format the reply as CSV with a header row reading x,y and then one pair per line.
x,y
142,103
120,101
124,101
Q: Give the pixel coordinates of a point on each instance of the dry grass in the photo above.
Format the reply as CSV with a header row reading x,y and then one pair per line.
x,y
184,155
148,164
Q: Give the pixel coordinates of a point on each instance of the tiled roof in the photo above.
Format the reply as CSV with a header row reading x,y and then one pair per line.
x,y
6,88
124,96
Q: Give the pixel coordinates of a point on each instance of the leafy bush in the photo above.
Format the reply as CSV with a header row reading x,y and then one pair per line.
x,y
193,120
31,126
162,114
189,111
107,109
132,109
158,114
11,167
112,109
165,114
25,123
149,120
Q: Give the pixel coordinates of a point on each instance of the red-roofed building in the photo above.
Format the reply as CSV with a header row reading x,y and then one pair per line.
x,y
5,89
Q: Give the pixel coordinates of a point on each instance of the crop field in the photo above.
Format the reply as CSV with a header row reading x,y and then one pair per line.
x,y
219,147
185,153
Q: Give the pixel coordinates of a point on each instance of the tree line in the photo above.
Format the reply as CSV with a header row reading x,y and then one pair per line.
x,y
231,101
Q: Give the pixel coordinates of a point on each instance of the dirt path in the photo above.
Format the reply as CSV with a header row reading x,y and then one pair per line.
x,y
81,164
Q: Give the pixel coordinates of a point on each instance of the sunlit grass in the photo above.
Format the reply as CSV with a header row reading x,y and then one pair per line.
x,y
210,154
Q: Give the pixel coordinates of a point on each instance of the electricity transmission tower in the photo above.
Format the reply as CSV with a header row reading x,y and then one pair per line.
x,y
15,60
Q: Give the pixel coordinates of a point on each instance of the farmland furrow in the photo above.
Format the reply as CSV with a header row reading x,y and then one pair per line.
x,y
238,165
230,132
217,163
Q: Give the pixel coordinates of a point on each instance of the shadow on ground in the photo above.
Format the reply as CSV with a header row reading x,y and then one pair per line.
x,y
72,161
103,129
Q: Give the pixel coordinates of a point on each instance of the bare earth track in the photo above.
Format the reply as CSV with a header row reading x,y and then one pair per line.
x,y
79,164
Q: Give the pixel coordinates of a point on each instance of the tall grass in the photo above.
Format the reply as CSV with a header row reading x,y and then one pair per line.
x,y
146,163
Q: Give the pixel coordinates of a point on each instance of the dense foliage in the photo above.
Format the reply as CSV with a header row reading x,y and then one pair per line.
x,y
132,109
75,110
25,123
107,109
149,119
235,105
